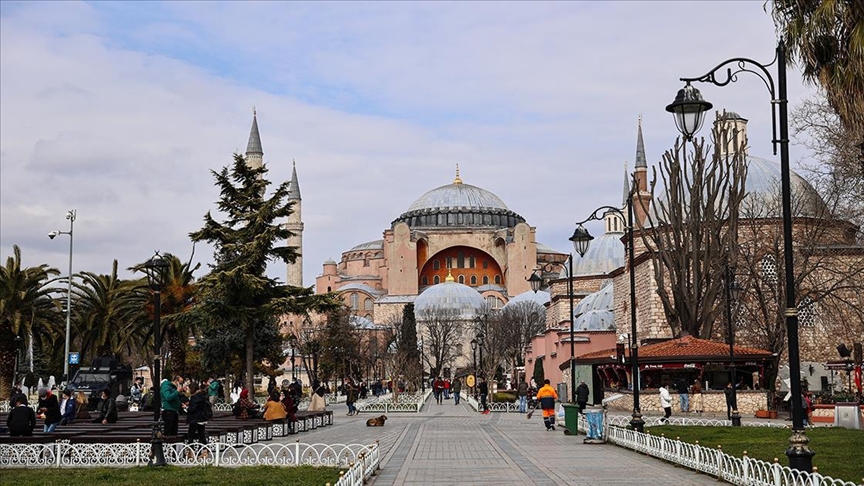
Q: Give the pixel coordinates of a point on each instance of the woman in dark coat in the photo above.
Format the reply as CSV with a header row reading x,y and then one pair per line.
x,y
196,415
106,408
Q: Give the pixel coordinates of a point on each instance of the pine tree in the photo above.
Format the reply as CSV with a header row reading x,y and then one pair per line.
x,y
407,346
237,294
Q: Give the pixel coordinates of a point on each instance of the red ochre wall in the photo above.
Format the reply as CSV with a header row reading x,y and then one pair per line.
x,y
492,269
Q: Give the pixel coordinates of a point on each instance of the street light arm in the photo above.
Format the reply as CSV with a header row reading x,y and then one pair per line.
x,y
597,216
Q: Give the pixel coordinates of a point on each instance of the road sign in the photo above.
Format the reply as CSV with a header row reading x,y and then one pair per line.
x,y
74,358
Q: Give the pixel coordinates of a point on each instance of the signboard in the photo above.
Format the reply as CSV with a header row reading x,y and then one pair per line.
x,y
74,358
470,380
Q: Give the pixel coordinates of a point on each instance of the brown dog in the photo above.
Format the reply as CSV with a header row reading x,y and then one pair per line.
x,y
376,422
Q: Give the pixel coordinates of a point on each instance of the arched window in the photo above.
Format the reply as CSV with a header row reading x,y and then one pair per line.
x,y
473,279
424,280
355,301
471,262
436,280
497,279
460,261
493,302
462,279
485,279
485,263
367,304
769,268
436,265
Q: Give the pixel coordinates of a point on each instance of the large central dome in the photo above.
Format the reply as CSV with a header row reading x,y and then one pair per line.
x,y
459,205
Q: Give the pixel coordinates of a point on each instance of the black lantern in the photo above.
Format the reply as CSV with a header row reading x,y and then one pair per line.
x,y
689,110
156,269
536,282
581,240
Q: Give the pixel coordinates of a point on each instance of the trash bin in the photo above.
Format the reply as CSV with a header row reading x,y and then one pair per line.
x,y
595,424
571,419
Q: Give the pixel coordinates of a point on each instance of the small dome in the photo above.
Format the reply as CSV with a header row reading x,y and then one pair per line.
x,y
540,298
598,301
329,261
449,296
605,254
595,320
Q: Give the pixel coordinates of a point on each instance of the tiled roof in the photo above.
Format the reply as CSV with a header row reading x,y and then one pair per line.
x,y
687,347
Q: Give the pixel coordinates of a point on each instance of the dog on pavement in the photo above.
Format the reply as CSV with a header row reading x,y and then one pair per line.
x,y
376,422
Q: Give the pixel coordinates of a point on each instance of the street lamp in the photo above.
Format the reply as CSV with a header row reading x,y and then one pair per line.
x,y
733,290
156,269
474,356
536,282
18,342
799,454
581,241
480,345
70,215
422,366
292,340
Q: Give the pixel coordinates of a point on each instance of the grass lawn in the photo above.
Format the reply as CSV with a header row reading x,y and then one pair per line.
x,y
839,452
138,476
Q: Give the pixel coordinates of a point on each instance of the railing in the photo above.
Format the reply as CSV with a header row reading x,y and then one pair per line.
x,y
714,462
63,454
407,402
493,406
624,420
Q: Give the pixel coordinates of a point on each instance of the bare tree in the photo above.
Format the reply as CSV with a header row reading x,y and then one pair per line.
x,y
442,330
521,321
691,230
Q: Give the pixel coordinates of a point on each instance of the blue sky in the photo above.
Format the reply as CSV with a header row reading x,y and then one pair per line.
x,y
120,110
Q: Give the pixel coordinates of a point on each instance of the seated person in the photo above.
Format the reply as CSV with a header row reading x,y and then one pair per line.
x,y
246,408
21,419
68,408
274,409
106,408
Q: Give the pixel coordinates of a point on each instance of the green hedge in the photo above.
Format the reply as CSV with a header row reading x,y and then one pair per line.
x,y
504,397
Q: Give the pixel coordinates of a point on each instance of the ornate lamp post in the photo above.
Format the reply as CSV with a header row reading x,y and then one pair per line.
x,y
689,109
581,240
536,282
422,366
733,290
292,340
156,269
70,215
480,346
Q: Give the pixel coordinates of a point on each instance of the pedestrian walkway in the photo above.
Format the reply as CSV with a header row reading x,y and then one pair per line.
x,y
453,444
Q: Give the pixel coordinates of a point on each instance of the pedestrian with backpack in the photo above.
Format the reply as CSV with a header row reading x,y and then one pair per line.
x,y
198,412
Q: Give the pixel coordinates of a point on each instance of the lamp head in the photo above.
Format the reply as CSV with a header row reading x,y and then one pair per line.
x,y
53,234
473,344
536,282
156,269
735,290
581,240
70,215
689,110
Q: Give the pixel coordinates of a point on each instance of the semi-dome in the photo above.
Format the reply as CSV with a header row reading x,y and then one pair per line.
x,y
360,322
594,312
449,297
460,205
600,300
595,320
605,254
540,298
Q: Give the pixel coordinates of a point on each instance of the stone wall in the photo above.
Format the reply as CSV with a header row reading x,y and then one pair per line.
x,y
749,401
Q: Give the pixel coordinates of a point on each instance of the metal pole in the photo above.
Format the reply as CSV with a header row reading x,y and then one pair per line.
x,y
474,356
157,456
66,376
800,456
735,417
636,422
572,339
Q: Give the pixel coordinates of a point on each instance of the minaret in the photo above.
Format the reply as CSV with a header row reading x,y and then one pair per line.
x,y
641,196
254,153
295,225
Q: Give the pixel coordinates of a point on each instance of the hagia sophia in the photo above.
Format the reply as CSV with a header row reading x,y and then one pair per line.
x,y
460,247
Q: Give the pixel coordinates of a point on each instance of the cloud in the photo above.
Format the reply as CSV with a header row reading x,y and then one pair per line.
x,y
120,110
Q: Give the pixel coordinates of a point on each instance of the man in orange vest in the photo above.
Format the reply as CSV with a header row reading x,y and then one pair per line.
x,y
547,397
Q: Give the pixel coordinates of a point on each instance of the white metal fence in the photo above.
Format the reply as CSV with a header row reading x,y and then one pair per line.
x,y
407,402
365,458
743,471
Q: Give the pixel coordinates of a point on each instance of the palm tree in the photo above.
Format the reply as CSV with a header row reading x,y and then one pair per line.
x,y
177,296
108,316
26,309
826,37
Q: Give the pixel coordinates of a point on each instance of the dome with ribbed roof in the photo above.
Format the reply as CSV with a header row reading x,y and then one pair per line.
x,y
605,254
541,298
460,205
449,297
594,312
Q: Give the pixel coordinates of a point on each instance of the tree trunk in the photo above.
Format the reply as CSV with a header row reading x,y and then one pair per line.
x,y
177,353
7,367
250,362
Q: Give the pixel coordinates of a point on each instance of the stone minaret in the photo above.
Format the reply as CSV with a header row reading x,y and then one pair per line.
x,y
254,153
641,195
295,225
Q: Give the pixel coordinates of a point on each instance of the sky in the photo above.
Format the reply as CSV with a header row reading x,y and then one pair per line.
x,y
121,110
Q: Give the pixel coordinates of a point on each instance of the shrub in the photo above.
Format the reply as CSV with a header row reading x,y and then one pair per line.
x,y
504,397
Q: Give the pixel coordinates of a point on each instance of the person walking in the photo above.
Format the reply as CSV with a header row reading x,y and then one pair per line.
x,y
49,408
730,400
107,409
438,389
582,393
350,397
483,388
21,419
547,396
457,390
197,414
213,391
522,393
665,401
683,395
170,396
446,389
697,395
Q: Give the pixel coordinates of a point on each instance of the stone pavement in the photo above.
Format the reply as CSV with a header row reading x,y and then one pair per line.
x,y
453,444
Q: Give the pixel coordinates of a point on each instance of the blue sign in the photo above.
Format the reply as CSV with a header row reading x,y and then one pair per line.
x,y
74,358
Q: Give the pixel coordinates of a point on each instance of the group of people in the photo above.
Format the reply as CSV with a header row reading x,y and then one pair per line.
x,y
444,389
55,411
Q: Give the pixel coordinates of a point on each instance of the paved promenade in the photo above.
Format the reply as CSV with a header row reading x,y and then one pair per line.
x,y
446,444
